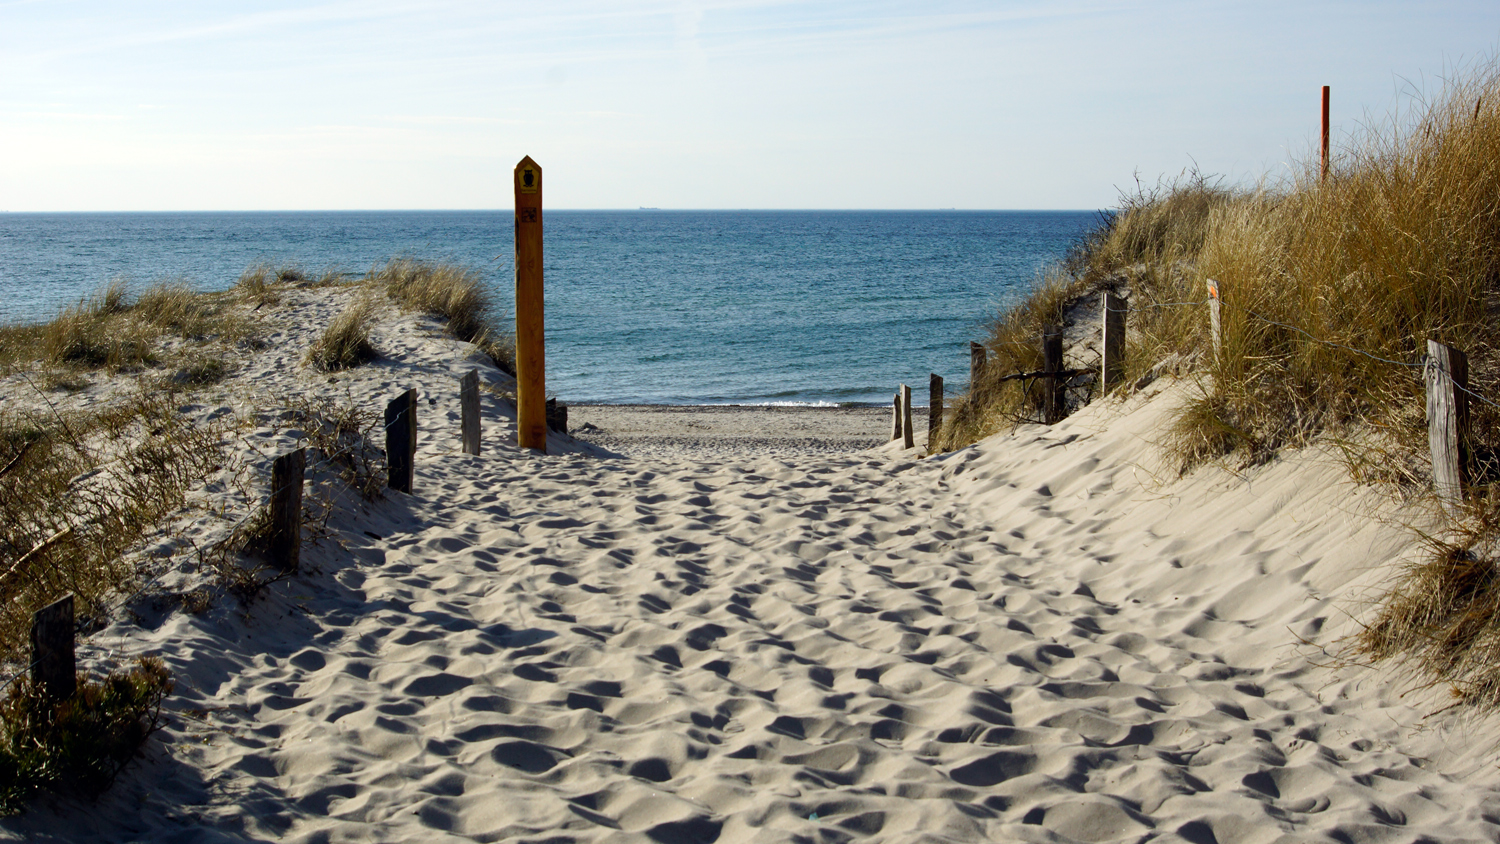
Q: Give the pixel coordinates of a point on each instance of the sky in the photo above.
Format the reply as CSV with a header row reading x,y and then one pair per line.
x,y
376,104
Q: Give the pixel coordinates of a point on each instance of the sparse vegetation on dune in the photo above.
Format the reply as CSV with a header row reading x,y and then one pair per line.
x,y
113,331
77,490
1012,346
1331,289
81,490
453,292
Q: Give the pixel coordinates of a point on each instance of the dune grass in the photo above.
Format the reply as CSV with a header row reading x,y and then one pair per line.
x,y
345,342
1331,289
1011,346
77,490
257,284
453,292
114,331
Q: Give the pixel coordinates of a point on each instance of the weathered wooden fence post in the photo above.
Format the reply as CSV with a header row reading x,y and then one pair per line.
x,y
896,416
1052,364
54,667
907,438
1447,377
285,543
934,408
976,365
1215,330
1112,343
401,441
468,411
557,416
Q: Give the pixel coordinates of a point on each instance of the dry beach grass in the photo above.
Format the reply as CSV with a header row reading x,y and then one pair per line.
x,y
1331,289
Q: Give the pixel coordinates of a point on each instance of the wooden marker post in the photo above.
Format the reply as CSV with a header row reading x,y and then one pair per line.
x,y
907,438
531,357
1447,377
401,441
934,408
54,668
896,416
976,365
1112,346
1052,364
1214,328
285,544
468,411
1323,171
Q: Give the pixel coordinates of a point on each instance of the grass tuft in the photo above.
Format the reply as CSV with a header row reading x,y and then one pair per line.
x,y
110,331
85,337
345,343
257,284
1442,616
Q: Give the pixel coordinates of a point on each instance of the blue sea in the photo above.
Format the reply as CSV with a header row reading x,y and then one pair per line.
x,y
655,307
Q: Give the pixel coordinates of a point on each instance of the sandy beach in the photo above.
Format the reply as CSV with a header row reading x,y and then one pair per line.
x,y
770,625
726,432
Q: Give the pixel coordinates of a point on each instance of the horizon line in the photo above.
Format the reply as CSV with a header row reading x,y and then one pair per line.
x,y
638,209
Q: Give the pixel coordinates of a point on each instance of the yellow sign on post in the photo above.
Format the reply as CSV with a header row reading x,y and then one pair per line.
x,y
529,179
531,358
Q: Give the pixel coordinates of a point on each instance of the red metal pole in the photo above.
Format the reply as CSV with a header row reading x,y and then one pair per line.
x,y
1323,173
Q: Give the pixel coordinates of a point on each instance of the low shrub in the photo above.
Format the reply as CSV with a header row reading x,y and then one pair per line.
x,y
80,744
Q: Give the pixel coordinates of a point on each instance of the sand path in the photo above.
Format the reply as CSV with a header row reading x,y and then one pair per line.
x,y
1041,638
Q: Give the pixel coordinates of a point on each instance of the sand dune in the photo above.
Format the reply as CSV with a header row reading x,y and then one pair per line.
x,y
1046,637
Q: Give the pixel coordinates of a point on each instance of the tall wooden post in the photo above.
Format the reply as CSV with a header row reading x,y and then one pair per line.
x,y
896,416
1215,330
934,408
976,365
1323,171
468,411
531,358
1447,377
907,438
54,667
1112,345
401,441
1052,364
285,544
